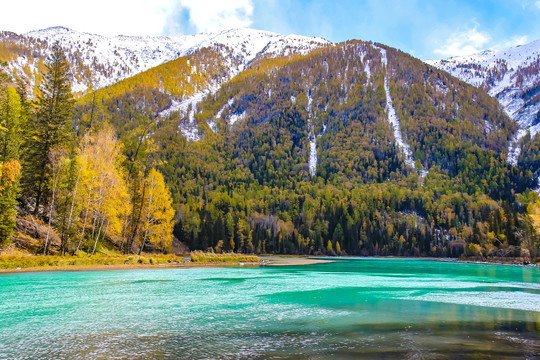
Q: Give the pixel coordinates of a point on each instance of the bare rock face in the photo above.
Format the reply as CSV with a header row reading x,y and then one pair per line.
x,y
179,247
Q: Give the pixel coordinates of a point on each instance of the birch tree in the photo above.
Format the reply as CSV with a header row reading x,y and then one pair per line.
x,y
103,189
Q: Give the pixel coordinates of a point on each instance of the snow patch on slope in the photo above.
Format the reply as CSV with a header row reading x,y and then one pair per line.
x,y
312,154
514,149
188,109
393,118
236,117
312,162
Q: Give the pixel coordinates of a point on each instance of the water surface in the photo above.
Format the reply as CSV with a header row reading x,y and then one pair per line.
x,y
353,308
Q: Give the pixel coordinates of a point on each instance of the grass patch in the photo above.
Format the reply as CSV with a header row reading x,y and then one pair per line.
x,y
292,255
37,261
199,256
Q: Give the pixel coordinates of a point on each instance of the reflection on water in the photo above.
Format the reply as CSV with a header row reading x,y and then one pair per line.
x,y
356,308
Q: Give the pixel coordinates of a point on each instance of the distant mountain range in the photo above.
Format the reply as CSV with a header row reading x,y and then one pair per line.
x,y
212,59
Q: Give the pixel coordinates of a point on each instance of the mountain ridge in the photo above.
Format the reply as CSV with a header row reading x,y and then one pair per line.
x,y
510,75
111,59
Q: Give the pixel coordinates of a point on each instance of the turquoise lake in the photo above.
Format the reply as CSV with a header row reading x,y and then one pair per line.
x,y
351,308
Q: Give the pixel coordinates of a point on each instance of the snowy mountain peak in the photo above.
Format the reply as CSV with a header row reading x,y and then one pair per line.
x,y
514,56
512,76
50,31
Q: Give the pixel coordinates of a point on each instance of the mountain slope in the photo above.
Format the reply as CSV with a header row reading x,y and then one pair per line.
x,y
512,76
356,143
99,61
273,146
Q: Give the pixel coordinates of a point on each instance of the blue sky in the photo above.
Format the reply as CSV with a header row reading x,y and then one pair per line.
x,y
426,29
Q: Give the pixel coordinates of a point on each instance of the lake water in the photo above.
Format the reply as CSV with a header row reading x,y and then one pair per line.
x,y
353,308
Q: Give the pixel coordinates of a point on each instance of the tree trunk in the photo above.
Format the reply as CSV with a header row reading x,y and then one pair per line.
x,y
142,245
50,213
40,188
86,215
124,229
97,237
75,194
148,219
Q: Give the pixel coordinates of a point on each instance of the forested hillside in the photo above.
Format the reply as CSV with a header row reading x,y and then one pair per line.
x,y
353,148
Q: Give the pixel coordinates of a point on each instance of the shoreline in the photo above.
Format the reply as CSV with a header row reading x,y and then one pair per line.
x,y
470,261
271,260
265,260
184,265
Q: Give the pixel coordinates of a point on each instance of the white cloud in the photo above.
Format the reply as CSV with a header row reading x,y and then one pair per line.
x,y
126,17
215,15
107,17
537,4
464,43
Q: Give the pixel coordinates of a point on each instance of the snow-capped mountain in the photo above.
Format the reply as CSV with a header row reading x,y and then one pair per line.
x,y
512,76
99,61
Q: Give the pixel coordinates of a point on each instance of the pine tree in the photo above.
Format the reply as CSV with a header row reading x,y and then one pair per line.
x,y
52,129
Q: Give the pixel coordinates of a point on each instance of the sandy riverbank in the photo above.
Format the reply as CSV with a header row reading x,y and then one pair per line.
x,y
291,261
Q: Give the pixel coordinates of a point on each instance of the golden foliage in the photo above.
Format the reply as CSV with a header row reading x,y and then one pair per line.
x,y
158,212
199,256
103,188
9,171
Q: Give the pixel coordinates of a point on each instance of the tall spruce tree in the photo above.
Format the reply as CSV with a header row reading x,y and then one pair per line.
x,y
52,128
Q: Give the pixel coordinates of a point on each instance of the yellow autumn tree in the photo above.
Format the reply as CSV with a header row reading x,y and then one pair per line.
x,y
9,172
12,119
103,190
158,213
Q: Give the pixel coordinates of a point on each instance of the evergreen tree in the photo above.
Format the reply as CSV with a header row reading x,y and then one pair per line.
x,y
52,128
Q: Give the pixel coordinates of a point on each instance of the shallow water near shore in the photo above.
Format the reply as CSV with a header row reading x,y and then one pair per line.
x,y
351,308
